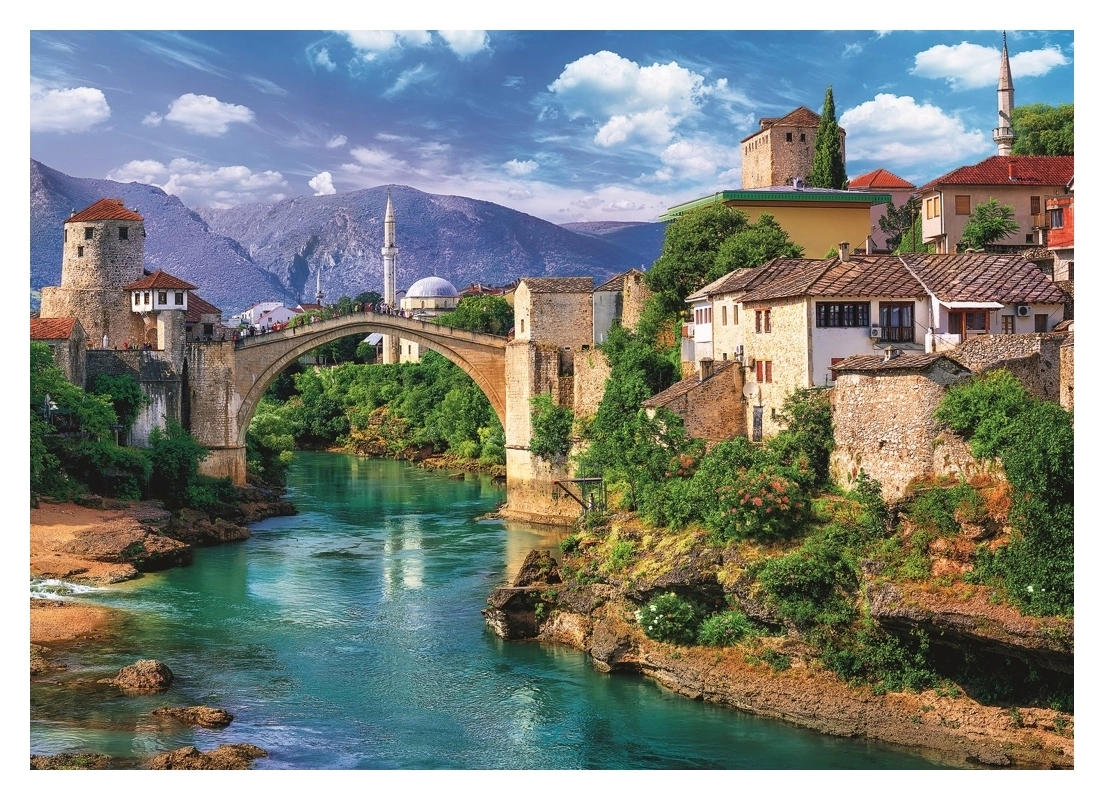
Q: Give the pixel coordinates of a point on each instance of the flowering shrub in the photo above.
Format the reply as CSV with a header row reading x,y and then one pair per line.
x,y
758,504
725,629
669,618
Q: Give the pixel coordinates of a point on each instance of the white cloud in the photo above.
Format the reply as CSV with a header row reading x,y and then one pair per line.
x,y
695,159
372,44
973,66
517,168
322,59
322,183
465,43
198,184
265,86
205,115
418,74
337,141
67,110
628,101
375,159
897,132
153,119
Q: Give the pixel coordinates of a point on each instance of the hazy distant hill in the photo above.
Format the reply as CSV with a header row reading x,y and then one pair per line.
x,y
457,238
177,240
256,252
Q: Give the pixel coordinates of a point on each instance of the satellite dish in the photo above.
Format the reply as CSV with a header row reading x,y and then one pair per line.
x,y
751,391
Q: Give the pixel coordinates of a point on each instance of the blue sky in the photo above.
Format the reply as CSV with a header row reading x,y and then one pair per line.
x,y
564,125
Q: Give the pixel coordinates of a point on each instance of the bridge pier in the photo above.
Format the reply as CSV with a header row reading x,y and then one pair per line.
x,y
225,462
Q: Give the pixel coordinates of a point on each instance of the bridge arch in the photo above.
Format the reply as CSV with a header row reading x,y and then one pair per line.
x,y
258,360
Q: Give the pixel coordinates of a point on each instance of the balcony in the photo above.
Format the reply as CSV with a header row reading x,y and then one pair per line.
x,y
1040,222
899,334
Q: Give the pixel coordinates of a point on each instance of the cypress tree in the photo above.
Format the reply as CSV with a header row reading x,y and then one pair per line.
x,y
829,171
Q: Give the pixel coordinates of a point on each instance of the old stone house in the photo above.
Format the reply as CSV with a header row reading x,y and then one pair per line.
x,y
710,403
782,149
790,321
68,342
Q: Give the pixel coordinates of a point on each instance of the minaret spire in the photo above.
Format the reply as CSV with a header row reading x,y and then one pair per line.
x,y
389,251
1003,134
318,286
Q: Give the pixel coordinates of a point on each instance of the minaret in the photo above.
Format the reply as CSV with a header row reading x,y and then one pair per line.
x,y
1003,134
318,287
389,251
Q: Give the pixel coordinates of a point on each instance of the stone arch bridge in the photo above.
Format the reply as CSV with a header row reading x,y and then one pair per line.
x,y
226,380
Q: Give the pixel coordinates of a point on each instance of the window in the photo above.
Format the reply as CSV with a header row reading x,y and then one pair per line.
x,y
842,315
65,235
80,250
180,298
802,137
88,232
1029,238
145,298
931,207
1057,218
523,326
1035,204
962,204
1008,324
724,315
789,136
763,371
1040,323
977,321
896,322
709,315
123,233
724,356
762,320
162,298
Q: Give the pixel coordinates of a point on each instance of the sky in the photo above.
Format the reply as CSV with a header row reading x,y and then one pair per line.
x,y
565,125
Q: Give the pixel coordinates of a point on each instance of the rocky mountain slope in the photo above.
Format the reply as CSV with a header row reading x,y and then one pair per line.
x,y
275,251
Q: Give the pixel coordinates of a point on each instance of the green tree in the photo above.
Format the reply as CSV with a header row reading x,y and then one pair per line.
x,y
990,222
551,427
269,444
175,458
1043,130
898,223
127,397
829,170
753,246
485,313
690,247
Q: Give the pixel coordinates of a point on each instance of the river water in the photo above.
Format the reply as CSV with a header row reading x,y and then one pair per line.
x,y
349,637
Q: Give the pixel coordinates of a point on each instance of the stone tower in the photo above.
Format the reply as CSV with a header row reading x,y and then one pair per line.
x,y
103,251
389,251
1003,134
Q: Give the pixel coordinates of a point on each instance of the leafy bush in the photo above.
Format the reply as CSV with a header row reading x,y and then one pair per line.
x,y
669,618
725,629
758,504
933,510
551,425
810,586
891,663
620,556
175,457
127,397
207,494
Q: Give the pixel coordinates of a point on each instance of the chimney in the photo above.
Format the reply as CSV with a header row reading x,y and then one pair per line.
x,y
844,251
1011,169
891,353
705,369
798,184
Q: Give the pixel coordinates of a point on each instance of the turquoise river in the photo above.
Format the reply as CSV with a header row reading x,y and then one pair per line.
x,y
350,637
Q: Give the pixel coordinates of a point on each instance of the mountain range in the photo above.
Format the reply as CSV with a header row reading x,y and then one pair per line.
x,y
274,251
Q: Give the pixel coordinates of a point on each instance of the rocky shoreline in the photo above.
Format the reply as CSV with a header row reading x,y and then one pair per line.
x,y
98,541
947,727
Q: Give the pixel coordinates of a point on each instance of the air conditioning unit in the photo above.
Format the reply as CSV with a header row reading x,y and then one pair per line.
x,y
1023,311
875,333
738,356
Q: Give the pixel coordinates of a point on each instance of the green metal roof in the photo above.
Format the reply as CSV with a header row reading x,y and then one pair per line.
x,y
769,196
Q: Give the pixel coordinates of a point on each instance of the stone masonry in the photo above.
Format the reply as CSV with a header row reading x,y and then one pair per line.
x,y
786,347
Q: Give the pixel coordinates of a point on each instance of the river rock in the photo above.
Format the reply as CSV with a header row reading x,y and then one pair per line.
x,y
228,756
538,568
204,716
73,761
143,676
40,660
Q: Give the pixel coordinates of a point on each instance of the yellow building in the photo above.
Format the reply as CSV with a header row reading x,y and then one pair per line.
x,y
815,219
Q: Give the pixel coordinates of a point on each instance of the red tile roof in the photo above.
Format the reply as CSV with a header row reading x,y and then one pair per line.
x,y
1010,171
197,307
983,277
879,179
685,386
104,209
51,328
905,361
158,280
800,117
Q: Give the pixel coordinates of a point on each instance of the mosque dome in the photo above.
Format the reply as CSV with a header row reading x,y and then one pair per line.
x,y
431,287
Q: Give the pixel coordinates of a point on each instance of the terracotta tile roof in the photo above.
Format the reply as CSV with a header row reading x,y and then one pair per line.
x,y
685,386
197,307
105,209
983,277
879,179
50,328
905,361
617,282
861,276
158,280
743,280
1010,171
559,285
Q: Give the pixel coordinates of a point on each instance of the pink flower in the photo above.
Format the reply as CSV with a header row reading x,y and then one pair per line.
x,y
758,501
